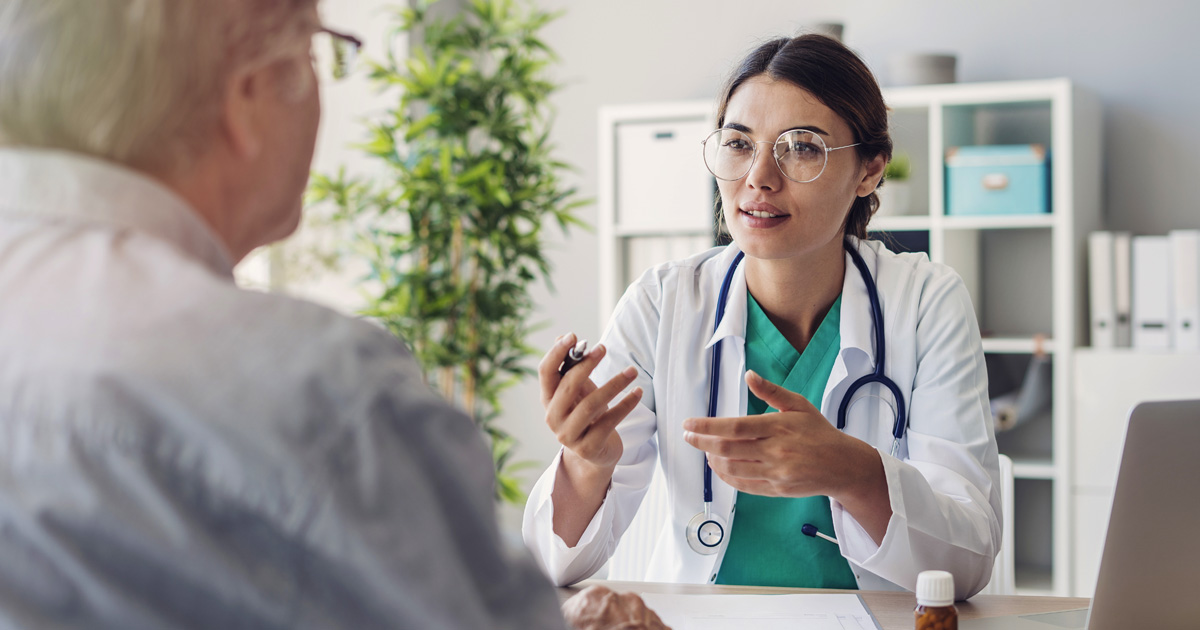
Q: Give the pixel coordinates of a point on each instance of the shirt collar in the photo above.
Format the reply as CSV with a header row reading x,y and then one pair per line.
x,y
855,326
73,187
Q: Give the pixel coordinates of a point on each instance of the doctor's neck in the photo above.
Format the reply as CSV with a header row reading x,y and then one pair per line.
x,y
796,293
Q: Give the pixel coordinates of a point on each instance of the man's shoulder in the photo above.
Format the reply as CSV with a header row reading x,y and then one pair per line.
x,y
285,343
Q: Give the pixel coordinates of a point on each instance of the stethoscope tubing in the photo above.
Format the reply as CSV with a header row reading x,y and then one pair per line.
x,y
901,423
714,382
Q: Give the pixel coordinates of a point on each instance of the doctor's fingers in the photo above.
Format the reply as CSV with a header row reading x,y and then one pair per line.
x,y
549,378
742,428
769,478
775,395
751,450
570,417
592,441
575,397
752,486
762,478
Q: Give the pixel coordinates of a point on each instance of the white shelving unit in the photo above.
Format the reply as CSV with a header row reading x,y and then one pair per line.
x,y
1026,273
1107,383
656,196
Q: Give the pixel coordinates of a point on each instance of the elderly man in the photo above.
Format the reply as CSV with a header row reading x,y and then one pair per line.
x,y
175,452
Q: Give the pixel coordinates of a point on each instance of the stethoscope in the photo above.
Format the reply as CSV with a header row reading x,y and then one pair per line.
x,y
706,531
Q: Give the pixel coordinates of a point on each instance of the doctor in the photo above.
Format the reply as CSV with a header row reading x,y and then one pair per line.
x,y
746,360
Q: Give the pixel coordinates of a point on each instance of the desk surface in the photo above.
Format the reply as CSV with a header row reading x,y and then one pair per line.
x,y
893,609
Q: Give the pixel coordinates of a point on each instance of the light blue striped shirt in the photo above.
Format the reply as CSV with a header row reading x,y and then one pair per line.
x,y
178,453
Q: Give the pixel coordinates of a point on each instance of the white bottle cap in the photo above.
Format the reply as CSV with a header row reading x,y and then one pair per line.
x,y
935,588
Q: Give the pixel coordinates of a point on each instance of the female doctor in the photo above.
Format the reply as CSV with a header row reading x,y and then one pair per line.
x,y
818,403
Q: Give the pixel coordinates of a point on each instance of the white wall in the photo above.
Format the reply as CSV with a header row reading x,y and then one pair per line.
x,y
1138,57
344,104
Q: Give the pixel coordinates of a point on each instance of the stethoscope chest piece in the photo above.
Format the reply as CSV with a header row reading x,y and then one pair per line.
x,y
705,532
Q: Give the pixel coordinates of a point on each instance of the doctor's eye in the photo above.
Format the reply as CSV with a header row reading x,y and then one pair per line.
x,y
737,144
800,149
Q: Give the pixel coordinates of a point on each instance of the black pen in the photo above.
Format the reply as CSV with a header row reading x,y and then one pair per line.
x,y
574,356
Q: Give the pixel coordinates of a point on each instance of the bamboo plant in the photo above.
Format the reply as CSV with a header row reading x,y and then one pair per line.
x,y
453,234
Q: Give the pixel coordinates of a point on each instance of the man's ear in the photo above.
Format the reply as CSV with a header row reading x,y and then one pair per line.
x,y
242,112
872,175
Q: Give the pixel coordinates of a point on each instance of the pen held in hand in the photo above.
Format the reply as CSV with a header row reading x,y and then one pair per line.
x,y
574,356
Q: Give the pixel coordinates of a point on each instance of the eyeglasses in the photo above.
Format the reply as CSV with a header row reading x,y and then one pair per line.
x,y
344,49
801,155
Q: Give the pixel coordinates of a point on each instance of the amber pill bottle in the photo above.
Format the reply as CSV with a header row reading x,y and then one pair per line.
x,y
935,601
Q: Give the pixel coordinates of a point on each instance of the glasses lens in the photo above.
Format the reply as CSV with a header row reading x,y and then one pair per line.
x,y
800,155
345,54
728,154
335,51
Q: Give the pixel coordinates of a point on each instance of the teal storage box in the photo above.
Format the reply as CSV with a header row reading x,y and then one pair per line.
x,y
997,179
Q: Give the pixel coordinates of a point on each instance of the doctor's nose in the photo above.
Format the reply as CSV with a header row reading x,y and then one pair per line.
x,y
764,172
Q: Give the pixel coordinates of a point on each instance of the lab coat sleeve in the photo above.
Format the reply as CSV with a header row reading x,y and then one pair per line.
x,y
944,492
630,340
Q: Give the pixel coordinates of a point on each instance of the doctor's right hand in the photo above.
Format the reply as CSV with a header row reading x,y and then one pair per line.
x,y
579,413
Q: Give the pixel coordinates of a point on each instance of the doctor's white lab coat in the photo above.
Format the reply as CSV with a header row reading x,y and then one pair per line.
x,y
943,485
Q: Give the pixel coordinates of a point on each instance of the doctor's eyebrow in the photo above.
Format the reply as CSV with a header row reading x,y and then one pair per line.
x,y
746,130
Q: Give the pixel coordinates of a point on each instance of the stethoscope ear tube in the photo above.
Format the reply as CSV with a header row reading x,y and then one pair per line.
x,y
900,425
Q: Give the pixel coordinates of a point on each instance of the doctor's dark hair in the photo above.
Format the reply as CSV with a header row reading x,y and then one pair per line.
x,y
836,76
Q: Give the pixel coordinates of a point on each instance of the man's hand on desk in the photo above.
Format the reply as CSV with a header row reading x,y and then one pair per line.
x,y
600,608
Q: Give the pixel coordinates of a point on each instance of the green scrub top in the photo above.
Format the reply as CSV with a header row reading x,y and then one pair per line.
x,y
766,547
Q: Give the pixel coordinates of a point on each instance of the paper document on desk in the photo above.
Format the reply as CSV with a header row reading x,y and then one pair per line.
x,y
762,612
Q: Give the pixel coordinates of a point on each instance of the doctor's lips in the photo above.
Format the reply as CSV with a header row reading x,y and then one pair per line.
x,y
762,210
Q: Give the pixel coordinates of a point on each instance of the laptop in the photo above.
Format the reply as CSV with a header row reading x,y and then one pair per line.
x,y
1150,569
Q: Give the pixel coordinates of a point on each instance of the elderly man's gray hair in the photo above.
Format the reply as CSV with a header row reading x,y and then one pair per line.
x,y
138,82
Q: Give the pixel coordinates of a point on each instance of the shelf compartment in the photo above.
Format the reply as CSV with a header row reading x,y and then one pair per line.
x,y
909,128
903,240
1006,273
1023,122
1016,345
894,223
1034,581
651,152
1034,468
999,222
642,252
1033,542
1031,441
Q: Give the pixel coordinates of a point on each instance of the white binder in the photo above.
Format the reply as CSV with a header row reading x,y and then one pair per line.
x,y
1123,288
1152,300
1185,269
1101,282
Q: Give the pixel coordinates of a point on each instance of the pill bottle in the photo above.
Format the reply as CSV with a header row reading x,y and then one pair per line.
x,y
935,601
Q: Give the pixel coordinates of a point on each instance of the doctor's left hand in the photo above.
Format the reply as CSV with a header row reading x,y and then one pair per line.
x,y
794,452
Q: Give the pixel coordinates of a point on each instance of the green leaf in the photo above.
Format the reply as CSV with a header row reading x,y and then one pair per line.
x,y
450,229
